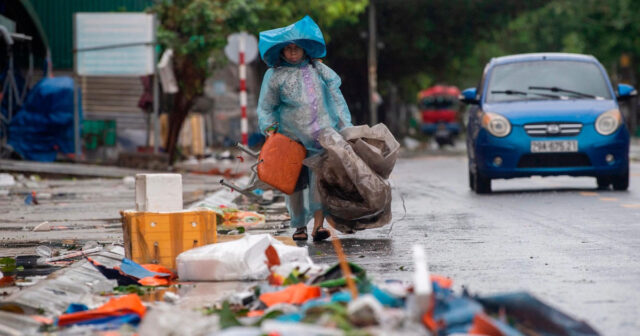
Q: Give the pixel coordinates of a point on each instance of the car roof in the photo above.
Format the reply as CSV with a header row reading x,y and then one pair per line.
x,y
542,56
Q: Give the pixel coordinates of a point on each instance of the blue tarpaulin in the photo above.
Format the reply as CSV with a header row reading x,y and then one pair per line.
x,y
305,33
44,125
133,269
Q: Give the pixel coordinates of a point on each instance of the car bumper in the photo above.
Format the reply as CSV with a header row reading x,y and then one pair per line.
x,y
517,160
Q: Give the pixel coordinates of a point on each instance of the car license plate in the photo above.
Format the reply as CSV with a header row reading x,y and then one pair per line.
x,y
557,146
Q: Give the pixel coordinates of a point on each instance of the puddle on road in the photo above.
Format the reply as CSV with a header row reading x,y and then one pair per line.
x,y
157,294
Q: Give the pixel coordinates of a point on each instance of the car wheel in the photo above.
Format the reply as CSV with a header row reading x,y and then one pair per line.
x,y
603,182
482,184
621,182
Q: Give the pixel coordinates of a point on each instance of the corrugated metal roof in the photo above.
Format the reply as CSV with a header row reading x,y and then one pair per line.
x,y
57,21
74,284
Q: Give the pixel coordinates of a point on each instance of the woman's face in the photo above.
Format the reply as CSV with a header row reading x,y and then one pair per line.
x,y
292,53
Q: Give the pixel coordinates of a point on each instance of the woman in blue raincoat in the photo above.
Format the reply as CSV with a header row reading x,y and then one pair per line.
x,y
299,97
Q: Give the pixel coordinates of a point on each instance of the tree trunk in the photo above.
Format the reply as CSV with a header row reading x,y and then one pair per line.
x,y
181,108
191,81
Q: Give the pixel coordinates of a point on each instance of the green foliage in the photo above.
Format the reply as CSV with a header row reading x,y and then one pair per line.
x,y
278,13
198,29
605,29
192,28
438,41
7,264
336,313
227,317
134,289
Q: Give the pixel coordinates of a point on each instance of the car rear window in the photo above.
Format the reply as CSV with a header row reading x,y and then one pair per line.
x,y
519,77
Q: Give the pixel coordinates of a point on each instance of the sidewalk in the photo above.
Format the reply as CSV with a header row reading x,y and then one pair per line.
x,y
634,149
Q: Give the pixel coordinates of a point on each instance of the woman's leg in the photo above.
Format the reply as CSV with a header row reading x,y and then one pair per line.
x,y
295,205
318,220
319,232
315,205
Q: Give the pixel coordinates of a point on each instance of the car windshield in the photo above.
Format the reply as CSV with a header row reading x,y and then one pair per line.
x,y
543,80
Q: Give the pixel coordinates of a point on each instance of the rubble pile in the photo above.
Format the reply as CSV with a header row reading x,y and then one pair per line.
x,y
289,295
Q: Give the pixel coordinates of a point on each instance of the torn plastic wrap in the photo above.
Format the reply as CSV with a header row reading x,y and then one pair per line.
x,y
242,259
375,145
351,176
529,313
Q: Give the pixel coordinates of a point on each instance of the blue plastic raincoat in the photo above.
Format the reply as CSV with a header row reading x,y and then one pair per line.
x,y
302,98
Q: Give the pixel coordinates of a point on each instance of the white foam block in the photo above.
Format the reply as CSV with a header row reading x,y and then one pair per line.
x,y
158,192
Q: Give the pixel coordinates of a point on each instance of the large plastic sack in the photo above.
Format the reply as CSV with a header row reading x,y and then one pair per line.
x,y
350,179
375,145
242,259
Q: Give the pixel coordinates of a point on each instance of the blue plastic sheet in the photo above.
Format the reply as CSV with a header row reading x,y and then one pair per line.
x,y
111,322
132,269
76,307
44,125
305,33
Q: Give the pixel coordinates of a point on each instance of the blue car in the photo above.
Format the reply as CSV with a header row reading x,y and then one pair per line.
x,y
547,114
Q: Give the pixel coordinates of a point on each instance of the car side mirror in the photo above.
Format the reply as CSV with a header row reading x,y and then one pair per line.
x,y
626,92
468,96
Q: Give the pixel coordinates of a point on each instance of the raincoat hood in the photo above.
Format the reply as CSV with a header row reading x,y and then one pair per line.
x,y
304,33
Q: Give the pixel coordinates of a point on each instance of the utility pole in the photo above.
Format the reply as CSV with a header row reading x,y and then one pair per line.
x,y
373,65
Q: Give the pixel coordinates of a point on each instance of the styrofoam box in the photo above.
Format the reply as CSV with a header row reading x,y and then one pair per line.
x,y
158,192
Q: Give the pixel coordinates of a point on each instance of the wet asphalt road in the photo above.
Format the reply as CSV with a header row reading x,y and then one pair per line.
x,y
574,247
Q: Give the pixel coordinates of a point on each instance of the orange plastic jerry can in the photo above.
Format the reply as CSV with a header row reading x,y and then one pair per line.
x,y
280,162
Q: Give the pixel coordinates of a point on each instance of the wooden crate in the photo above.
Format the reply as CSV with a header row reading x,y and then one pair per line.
x,y
158,238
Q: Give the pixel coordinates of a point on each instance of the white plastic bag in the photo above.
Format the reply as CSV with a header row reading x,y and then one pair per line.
x,y
242,259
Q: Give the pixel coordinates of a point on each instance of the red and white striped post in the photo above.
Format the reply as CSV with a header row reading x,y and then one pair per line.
x,y
242,72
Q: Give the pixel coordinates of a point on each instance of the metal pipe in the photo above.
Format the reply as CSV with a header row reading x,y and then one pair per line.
x,y
156,103
76,121
248,150
115,46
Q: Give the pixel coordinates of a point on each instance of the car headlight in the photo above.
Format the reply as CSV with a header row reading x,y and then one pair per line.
x,y
496,124
609,122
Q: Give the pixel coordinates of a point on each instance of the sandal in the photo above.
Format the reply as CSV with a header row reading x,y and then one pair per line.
x,y
320,234
300,234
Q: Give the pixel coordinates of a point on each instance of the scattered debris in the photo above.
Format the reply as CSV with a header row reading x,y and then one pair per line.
x,y
7,180
44,226
31,199
222,197
232,217
129,181
44,251
101,290
127,309
168,320
242,259
17,324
